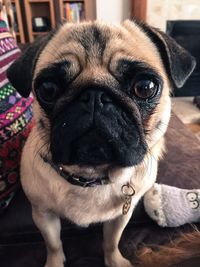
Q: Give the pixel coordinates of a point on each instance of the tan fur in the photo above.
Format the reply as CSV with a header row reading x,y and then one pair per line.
x,y
183,248
50,195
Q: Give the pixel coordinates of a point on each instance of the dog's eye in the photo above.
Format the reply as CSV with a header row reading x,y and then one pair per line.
x,y
145,88
48,92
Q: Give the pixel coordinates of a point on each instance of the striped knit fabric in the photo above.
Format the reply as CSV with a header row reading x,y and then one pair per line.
x,y
15,121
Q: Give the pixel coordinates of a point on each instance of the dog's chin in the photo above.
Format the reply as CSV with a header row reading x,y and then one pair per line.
x,y
89,172
93,150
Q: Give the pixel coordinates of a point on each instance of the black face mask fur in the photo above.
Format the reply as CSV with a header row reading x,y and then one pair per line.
x,y
94,129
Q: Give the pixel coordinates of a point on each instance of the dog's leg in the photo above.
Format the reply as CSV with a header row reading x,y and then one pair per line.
x,y
112,234
49,226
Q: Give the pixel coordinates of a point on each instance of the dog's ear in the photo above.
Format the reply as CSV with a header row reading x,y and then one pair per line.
x,y
20,73
178,62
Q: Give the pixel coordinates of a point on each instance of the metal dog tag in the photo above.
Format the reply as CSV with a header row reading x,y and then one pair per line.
x,y
128,192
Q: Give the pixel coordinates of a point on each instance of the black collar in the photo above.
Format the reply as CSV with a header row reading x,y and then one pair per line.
x,y
76,180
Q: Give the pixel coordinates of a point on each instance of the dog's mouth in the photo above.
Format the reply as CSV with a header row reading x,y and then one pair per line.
x,y
91,148
98,146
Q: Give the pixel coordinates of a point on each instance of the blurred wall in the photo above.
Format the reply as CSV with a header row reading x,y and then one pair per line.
x,y
113,11
159,11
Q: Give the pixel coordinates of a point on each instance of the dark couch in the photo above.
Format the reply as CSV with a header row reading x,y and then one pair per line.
x,y
21,244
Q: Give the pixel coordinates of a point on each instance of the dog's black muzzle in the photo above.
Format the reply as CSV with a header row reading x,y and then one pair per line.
x,y
95,129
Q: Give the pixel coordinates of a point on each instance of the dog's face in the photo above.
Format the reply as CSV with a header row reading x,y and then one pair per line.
x,y
101,90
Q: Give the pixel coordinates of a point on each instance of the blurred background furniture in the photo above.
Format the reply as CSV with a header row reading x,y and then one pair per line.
x,y
18,26
33,18
81,10
37,10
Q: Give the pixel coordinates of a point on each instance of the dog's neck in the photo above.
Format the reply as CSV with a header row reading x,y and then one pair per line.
x,y
89,172
88,176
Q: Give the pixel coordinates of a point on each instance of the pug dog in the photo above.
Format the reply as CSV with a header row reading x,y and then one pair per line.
x,y
101,109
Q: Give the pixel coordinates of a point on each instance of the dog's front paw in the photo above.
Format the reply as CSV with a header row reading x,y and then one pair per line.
x,y
55,259
115,259
154,206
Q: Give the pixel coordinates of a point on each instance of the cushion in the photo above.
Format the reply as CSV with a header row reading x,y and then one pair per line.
x,y
180,166
15,121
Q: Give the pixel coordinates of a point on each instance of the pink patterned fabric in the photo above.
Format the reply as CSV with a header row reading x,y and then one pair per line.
x,y
15,121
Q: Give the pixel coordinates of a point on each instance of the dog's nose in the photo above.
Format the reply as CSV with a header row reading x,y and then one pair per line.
x,y
95,98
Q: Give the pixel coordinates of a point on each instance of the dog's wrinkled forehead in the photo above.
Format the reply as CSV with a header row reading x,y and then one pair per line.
x,y
98,47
